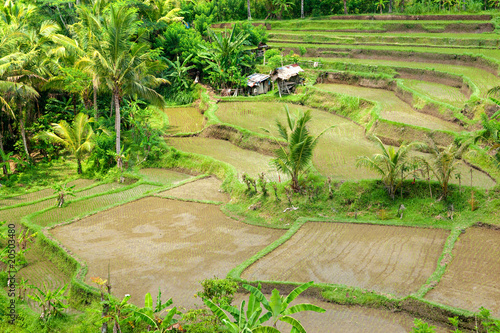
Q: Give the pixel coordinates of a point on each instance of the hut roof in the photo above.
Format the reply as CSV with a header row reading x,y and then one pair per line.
x,y
256,78
287,72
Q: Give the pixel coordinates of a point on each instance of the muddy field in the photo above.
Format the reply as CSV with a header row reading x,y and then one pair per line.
x,y
337,149
183,120
395,260
160,243
203,189
472,279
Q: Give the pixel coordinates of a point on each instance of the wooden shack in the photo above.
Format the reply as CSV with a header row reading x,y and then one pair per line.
x,y
288,78
258,84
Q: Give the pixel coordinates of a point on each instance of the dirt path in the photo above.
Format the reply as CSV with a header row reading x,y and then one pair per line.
x,y
203,189
472,279
159,243
385,259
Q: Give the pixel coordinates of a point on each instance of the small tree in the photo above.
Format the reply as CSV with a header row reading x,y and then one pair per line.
x,y
445,161
390,164
62,190
76,138
51,301
295,158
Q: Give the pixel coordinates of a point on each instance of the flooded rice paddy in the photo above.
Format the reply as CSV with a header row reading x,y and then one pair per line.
x,y
163,176
386,259
203,189
472,279
160,243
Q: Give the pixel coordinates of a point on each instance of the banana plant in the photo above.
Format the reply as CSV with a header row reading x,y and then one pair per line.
x,y
51,301
151,315
277,307
62,190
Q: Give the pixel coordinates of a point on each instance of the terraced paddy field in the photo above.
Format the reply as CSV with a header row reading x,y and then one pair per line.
x,y
14,215
203,189
482,41
185,119
245,161
472,278
39,195
40,270
337,149
75,209
393,108
386,259
438,92
482,78
341,319
160,243
163,176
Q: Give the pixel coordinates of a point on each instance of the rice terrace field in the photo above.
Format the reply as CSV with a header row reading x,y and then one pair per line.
x,y
382,252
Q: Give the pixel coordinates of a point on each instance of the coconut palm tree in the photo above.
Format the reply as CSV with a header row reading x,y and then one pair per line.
x,y
445,161
248,9
390,164
295,158
124,62
76,138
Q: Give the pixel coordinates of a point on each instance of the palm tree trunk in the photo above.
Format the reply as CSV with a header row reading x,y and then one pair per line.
x,y
79,166
96,111
25,142
116,97
345,7
390,6
4,167
248,9
301,8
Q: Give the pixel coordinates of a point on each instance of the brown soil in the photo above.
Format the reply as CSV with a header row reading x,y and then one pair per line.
x,y
163,176
386,259
472,278
342,318
159,243
203,189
